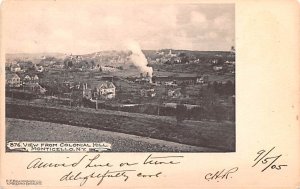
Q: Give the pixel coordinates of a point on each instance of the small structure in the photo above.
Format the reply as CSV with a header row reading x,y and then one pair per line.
x,y
203,79
13,80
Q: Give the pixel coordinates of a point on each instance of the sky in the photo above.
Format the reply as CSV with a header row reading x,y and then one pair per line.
x,y
79,28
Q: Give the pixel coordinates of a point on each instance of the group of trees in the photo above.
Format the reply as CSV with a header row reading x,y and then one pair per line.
x,y
227,88
210,108
214,112
69,63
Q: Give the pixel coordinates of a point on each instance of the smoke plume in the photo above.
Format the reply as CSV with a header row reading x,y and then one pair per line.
x,y
138,58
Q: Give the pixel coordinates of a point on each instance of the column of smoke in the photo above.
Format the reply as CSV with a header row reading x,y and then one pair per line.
x,y
138,58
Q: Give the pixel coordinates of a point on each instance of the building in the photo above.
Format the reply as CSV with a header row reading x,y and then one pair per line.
x,y
229,62
26,78
144,79
35,88
15,68
171,54
217,68
215,61
39,68
176,93
170,83
13,80
203,79
185,80
29,78
99,90
162,79
148,92
107,69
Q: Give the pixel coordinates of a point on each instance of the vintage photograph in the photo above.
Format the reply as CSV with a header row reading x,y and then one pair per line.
x,y
132,77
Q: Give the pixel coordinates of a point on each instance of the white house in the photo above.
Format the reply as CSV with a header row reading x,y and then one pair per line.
x,y
148,92
217,68
101,89
15,68
13,80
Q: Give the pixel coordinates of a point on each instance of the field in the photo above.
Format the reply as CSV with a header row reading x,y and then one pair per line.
x,y
219,136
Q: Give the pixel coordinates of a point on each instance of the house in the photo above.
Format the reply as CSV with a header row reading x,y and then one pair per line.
x,y
13,80
35,78
15,68
148,92
170,83
174,93
107,69
26,79
35,88
39,68
100,90
57,65
215,61
144,79
29,78
162,79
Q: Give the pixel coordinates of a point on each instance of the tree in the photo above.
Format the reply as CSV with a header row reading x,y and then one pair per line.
x,y
68,63
183,89
219,113
229,88
93,64
181,111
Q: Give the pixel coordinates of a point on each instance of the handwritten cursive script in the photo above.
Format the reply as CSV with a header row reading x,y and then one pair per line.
x,y
97,168
264,158
108,174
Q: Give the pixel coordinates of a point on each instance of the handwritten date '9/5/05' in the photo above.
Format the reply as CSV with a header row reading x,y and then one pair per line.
x,y
271,161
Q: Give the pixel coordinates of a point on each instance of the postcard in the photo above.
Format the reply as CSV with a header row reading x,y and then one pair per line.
x,y
150,94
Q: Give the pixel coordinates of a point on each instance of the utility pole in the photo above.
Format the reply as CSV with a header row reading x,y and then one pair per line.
x,y
96,103
70,99
160,101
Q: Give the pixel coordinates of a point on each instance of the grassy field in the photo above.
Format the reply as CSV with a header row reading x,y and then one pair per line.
x,y
22,130
215,135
